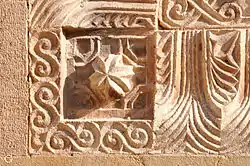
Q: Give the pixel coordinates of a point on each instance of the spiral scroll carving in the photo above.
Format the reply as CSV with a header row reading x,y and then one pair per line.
x,y
188,13
135,137
109,137
73,137
44,49
44,93
231,12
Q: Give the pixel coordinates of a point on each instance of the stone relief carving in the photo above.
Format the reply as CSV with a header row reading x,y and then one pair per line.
x,y
112,72
202,91
132,76
205,13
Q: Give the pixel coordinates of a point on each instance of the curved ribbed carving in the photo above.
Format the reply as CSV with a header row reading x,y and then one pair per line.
x,y
223,66
207,109
165,50
189,13
94,66
57,13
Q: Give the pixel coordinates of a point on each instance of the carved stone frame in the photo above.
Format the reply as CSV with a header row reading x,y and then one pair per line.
x,y
185,115
50,131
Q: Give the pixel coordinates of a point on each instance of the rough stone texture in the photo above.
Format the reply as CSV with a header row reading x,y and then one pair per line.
x,y
127,160
142,77
104,77
14,98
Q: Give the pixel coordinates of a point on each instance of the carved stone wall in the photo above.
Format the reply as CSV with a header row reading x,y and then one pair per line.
x,y
139,76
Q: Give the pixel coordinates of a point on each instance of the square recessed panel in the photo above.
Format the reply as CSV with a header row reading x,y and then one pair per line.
x,y
109,77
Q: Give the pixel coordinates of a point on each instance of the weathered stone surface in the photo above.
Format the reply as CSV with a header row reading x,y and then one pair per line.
x,y
126,160
203,14
105,77
124,77
202,102
14,98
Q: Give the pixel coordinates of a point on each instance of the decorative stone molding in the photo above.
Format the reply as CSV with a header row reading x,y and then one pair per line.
x,y
202,102
105,77
202,14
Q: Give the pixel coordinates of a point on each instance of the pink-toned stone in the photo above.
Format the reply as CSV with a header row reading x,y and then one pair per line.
x,y
105,77
14,98
98,80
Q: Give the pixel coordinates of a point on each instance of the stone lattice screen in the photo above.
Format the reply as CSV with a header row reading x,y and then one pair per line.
x,y
139,76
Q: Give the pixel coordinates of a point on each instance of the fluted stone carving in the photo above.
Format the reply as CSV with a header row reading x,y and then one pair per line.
x,y
139,76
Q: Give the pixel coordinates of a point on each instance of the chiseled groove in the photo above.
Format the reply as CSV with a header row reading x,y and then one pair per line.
x,y
246,127
178,144
245,106
223,92
199,83
218,64
216,94
246,130
198,92
191,140
177,115
172,64
178,46
221,86
164,70
201,128
213,105
187,88
35,4
56,8
184,88
167,76
175,112
191,149
179,133
168,90
175,122
242,139
53,17
208,123
174,126
211,135
203,142
238,130
214,87
38,5
178,123
227,78
207,138
41,14
183,82
223,82
245,134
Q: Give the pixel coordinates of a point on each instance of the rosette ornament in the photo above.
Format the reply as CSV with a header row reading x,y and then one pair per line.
x,y
111,77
